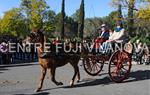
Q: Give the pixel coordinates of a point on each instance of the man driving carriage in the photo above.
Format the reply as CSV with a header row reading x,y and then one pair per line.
x,y
103,37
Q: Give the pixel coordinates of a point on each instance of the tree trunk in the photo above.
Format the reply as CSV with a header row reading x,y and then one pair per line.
x,y
63,20
130,18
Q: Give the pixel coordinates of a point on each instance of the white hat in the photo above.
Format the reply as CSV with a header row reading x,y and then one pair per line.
x,y
103,25
137,41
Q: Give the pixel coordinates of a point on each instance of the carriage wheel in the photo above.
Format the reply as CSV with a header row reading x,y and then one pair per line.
x,y
119,66
93,66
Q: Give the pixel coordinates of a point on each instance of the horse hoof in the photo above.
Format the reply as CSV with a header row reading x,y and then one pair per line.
x,y
78,81
71,83
59,83
37,90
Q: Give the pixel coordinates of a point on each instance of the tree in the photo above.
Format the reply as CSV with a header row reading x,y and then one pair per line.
x,y
81,20
35,10
58,24
71,27
144,18
13,23
119,12
37,13
144,13
91,26
119,4
111,19
130,17
0,25
63,19
49,22
26,7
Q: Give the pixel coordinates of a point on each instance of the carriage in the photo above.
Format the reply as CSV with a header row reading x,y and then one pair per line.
x,y
119,64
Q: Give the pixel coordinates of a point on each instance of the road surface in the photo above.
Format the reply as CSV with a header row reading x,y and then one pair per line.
x,y
22,79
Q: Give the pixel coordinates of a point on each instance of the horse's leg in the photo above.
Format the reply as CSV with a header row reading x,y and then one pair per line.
x,y
43,73
76,73
52,75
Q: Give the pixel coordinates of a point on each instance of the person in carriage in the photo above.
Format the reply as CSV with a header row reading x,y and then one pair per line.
x,y
103,37
119,34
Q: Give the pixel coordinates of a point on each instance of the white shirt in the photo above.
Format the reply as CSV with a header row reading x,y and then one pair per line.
x,y
117,35
102,33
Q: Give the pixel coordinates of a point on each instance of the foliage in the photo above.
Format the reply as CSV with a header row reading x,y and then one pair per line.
x,y
144,13
71,27
49,22
37,12
0,25
26,7
76,15
39,15
13,23
141,38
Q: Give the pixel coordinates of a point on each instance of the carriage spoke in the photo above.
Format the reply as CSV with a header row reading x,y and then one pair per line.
x,y
89,67
124,69
96,67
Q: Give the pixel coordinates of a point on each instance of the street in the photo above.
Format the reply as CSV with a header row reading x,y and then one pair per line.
x,y
22,79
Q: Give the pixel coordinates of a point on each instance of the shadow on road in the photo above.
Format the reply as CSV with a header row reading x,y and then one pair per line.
x,y
3,69
139,76
104,81
87,82
133,77
42,93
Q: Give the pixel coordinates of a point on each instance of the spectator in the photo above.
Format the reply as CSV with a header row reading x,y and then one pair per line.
x,y
4,51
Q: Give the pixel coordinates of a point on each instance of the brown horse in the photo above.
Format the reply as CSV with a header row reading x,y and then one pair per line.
x,y
52,63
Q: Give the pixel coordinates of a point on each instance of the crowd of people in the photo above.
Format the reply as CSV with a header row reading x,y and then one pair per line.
x,y
141,53
7,57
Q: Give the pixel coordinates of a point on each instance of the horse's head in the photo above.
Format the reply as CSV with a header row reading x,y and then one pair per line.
x,y
35,37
